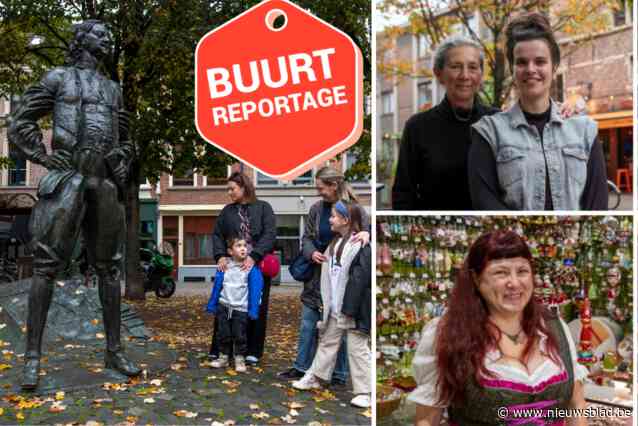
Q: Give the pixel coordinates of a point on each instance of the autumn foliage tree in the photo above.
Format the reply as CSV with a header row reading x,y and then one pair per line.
x,y
437,19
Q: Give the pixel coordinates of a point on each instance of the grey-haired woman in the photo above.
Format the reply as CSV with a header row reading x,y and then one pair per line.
x,y
432,169
332,187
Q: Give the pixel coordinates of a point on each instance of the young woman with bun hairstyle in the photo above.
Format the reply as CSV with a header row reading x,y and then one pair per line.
x,y
530,157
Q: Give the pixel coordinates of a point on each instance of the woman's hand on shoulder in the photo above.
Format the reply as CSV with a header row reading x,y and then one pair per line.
x,y
248,264
566,110
222,264
363,237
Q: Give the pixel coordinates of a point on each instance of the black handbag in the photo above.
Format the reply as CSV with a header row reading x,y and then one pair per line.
x,y
302,269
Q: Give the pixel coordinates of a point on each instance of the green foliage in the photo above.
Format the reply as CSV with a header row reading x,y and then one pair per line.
x,y
153,61
5,163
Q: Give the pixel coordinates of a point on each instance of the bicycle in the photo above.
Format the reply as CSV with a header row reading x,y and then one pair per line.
x,y
614,195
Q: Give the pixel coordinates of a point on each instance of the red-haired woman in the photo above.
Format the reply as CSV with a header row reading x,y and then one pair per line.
x,y
496,350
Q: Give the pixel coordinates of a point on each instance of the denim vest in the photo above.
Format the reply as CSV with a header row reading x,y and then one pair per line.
x,y
520,163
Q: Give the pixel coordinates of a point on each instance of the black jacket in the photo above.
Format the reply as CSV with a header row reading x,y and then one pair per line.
x,y
432,173
357,300
311,294
263,229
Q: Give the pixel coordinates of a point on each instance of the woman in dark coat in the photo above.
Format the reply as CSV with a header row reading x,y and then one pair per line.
x,y
254,221
432,169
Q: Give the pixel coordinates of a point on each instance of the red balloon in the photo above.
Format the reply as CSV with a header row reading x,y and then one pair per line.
x,y
270,266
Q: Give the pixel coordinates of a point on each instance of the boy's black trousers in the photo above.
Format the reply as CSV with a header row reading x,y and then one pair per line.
x,y
232,328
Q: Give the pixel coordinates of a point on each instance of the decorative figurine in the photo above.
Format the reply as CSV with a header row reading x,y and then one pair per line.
x,y
585,347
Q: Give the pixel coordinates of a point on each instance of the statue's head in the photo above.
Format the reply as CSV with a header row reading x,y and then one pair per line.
x,y
91,36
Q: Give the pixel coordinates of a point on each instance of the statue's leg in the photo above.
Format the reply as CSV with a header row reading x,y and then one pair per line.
x,y
55,228
104,225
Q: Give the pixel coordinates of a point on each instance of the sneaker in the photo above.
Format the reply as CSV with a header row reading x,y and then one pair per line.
x,y
252,360
361,401
221,362
213,357
307,382
291,373
240,366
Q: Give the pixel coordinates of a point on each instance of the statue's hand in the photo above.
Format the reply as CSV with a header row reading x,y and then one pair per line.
x,y
120,173
59,160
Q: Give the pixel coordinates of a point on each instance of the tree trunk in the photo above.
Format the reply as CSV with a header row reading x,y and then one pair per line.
x,y
134,278
499,75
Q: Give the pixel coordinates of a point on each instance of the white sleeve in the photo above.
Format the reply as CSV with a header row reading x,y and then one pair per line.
x,y
425,368
580,371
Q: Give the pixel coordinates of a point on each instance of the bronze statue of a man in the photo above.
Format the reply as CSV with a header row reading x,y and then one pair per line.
x,y
82,191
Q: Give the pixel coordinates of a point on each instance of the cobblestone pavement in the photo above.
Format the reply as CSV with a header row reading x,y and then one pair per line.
x,y
191,392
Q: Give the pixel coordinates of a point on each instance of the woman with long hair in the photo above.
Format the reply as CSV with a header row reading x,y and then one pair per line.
x,y
496,351
345,221
529,157
254,221
331,186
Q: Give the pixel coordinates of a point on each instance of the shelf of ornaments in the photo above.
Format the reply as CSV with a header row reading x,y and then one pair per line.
x,y
413,285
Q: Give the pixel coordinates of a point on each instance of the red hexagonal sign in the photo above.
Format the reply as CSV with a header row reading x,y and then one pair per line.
x,y
279,89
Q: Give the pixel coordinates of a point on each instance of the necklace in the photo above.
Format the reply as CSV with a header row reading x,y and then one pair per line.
x,y
462,119
513,337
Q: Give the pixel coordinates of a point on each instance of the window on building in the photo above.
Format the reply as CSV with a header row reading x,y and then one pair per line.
x,y
219,176
620,14
18,168
423,45
558,88
305,179
198,240
5,107
14,102
147,234
425,94
170,235
473,24
186,178
147,227
288,237
387,102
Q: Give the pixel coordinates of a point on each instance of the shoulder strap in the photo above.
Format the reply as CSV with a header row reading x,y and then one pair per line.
x,y
557,330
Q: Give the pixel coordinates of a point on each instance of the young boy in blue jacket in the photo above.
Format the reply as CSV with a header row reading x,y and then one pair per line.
x,y
235,297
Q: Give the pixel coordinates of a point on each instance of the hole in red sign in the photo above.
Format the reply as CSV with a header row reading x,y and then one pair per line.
x,y
276,20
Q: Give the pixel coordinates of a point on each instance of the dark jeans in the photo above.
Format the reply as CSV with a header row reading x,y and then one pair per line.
x,y
232,327
256,328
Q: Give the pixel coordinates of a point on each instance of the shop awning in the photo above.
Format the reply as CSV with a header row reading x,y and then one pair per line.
x,y
614,120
